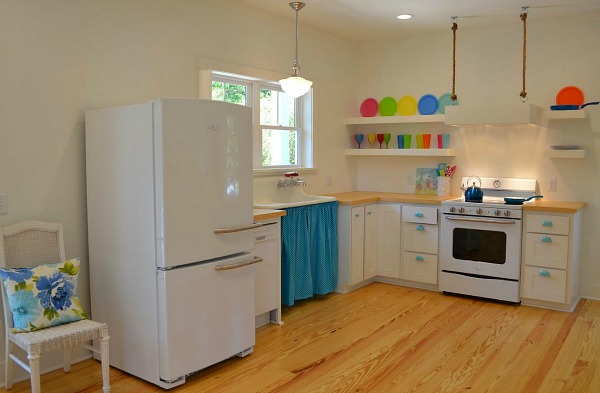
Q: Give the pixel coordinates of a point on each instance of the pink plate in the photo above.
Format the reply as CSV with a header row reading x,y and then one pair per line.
x,y
369,107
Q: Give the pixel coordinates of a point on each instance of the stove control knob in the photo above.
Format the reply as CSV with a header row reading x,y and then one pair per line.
x,y
478,211
507,213
498,212
461,209
452,209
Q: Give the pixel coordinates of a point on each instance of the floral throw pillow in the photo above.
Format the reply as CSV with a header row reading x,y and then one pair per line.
x,y
43,296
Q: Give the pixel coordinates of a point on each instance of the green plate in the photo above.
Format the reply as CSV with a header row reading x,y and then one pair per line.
x,y
387,106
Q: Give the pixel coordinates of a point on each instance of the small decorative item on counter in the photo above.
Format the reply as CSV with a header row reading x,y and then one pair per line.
x,y
371,138
359,138
426,181
444,178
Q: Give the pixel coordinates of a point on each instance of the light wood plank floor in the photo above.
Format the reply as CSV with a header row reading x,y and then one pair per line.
x,y
386,338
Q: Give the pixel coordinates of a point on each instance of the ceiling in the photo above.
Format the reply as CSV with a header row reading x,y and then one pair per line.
x,y
372,20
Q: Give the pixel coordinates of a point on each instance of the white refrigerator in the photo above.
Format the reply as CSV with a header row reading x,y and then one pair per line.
x,y
170,219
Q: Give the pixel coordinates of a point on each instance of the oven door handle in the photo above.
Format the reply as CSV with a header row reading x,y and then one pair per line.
x,y
484,220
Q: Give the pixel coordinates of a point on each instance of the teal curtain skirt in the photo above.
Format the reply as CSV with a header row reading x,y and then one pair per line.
x,y
309,253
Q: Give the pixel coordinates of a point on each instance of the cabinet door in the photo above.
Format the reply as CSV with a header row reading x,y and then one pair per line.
x,y
420,237
389,224
546,250
420,267
370,255
544,284
357,246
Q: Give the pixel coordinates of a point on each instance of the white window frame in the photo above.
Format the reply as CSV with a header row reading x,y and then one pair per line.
x,y
303,117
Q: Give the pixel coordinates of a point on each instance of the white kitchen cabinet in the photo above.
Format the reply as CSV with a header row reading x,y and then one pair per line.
x,y
420,244
267,245
370,241
357,245
388,240
550,260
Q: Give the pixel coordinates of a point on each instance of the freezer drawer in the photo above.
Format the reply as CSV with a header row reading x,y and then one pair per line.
x,y
206,315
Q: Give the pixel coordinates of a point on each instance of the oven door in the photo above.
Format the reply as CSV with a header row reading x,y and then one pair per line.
x,y
481,246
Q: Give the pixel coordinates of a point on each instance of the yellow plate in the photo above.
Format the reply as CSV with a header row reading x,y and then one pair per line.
x,y
407,106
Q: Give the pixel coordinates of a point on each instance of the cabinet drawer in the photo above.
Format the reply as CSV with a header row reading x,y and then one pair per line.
x,y
420,237
420,267
546,223
546,250
423,215
544,284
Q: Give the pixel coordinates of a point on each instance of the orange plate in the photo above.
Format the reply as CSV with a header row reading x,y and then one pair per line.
x,y
569,95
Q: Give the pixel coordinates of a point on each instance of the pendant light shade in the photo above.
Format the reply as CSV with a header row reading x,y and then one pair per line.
x,y
295,85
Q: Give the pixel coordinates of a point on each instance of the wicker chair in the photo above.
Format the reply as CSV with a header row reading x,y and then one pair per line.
x,y
29,244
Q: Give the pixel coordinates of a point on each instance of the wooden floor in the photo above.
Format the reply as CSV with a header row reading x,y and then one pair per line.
x,y
386,338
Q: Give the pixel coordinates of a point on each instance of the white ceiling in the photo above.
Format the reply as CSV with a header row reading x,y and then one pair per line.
x,y
371,20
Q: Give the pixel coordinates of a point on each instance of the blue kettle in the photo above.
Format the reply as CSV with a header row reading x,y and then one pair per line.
x,y
473,193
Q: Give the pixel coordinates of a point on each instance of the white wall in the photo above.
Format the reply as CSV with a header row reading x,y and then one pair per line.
x,y
489,70
61,57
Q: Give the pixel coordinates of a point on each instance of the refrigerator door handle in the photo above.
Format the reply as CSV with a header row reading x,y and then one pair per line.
x,y
238,264
237,229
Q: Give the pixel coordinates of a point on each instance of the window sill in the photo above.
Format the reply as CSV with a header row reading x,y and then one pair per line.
x,y
281,171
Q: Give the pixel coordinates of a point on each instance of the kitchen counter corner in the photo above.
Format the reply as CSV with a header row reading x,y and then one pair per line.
x,y
554,206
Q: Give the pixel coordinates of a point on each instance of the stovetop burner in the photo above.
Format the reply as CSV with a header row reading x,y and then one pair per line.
x,y
493,205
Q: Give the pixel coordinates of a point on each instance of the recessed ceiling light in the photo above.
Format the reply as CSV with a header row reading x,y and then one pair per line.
x,y
405,16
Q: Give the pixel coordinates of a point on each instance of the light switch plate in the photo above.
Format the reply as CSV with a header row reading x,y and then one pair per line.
x,y
3,204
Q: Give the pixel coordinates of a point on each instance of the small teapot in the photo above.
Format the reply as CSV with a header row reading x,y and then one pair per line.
x,y
473,193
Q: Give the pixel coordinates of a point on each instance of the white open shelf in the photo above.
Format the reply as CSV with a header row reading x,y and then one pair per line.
x,y
395,119
401,152
551,153
566,115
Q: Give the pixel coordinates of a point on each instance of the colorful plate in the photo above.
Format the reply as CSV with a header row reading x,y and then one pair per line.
x,y
443,101
369,107
428,104
387,106
407,106
569,95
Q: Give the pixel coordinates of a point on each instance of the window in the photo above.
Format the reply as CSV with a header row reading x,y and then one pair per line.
x,y
282,126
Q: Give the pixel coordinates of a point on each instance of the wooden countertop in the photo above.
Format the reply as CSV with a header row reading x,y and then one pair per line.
x,y
553,206
361,197
264,214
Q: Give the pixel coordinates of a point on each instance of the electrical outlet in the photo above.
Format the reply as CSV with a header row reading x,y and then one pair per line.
x,y
552,185
3,204
410,180
328,180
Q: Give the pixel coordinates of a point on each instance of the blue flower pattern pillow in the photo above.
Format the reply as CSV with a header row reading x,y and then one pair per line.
x,y
43,296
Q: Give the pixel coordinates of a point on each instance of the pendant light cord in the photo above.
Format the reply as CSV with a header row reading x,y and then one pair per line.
x,y
454,97
524,19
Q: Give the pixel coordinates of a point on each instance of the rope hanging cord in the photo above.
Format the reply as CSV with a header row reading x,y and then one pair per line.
x,y
524,19
453,97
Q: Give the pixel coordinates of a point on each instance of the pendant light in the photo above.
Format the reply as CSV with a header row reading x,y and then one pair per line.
x,y
523,16
295,85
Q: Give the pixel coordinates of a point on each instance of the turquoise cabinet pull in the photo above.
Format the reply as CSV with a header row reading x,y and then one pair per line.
x,y
547,223
544,273
419,258
546,239
419,214
420,228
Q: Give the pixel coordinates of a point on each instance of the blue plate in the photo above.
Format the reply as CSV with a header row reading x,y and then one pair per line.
x,y
428,104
